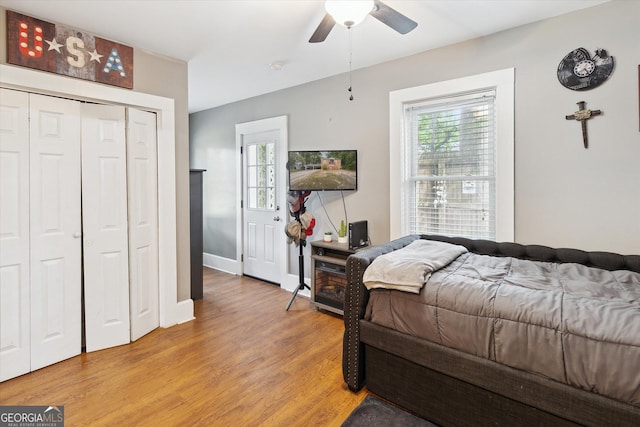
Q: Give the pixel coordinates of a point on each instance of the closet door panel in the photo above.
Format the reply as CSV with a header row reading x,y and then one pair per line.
x,y
14,234
143,221
55,243
104,215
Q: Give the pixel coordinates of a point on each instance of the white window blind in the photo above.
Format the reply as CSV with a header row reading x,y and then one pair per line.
x,y
450,176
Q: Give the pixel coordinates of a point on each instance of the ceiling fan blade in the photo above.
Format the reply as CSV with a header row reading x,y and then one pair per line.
x,y
323,30
392,18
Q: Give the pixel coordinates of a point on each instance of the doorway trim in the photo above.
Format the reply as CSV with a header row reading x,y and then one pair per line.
x,y
280,124
171,310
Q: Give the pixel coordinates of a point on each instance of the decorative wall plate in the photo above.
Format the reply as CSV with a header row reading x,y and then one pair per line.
x,y
579,71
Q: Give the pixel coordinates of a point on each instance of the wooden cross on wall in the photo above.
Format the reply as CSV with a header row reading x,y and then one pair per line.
x,y
582,115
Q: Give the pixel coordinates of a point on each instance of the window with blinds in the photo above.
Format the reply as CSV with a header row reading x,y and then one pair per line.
x,y
450,176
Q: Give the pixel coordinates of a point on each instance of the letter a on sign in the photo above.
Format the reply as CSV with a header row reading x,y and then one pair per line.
x,y
118,66
114,63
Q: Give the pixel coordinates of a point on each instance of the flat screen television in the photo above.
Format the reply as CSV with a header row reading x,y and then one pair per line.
x,y
323,170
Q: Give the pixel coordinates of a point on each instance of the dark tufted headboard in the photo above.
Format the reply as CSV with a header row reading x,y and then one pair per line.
x,y
604,260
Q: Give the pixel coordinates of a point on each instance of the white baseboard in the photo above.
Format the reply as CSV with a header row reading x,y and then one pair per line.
x,y
185,311
232,266
227,265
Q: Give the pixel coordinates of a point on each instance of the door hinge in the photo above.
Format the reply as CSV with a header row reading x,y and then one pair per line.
x,y
241,204
241,257
241,149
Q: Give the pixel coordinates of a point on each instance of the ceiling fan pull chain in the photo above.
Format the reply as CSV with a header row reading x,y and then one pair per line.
x,y
350,57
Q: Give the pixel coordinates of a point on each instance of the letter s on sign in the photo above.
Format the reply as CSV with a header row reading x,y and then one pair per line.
x,y
78,60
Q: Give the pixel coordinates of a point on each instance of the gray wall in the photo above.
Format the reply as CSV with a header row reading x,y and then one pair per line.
x,y
566,196
166,77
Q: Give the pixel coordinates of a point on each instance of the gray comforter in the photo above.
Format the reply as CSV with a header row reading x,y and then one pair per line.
x,y
568,322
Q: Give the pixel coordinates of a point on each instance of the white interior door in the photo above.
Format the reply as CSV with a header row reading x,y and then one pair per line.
x,y
142,166
264,251
55,229
15,353
104,217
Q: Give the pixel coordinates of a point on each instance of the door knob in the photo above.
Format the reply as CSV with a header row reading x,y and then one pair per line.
x,y
77,234
276,218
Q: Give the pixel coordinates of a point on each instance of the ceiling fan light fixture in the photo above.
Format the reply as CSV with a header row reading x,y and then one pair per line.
x,y
349,12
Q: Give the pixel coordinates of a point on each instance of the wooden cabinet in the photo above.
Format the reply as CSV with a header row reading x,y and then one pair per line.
x,y
329,274
195,194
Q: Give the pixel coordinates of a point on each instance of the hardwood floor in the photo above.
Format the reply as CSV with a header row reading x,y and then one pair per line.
x,y
244,361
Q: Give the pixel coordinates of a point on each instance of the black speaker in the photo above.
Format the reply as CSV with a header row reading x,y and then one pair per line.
x,y
358,234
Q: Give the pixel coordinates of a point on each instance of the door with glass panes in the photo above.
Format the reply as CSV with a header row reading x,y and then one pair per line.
x,y
263,221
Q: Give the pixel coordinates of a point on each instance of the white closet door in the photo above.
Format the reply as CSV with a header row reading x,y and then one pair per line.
x,y
15,353
142,165
55,229
104,217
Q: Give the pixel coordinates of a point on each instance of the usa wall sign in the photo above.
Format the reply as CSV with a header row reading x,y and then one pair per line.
x,y
62,50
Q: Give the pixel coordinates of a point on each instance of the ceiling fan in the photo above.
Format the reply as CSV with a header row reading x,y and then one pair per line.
x,y
350,13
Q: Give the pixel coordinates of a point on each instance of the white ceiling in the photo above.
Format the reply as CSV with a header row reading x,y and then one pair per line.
x,y
230,44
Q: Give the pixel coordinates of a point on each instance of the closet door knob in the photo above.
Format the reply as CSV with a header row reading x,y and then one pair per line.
x,y
77,234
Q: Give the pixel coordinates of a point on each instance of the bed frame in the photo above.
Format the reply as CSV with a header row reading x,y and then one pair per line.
x,y
450,387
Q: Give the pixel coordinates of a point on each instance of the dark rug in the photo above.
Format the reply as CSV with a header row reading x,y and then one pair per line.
x,y
373,412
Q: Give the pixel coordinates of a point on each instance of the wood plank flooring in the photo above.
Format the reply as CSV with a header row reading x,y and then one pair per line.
x,y
244,361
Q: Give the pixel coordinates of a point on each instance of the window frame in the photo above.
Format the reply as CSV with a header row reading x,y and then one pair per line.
x,y
503,83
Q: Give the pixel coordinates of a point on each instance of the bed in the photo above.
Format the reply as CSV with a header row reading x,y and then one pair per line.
x,y
535,357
